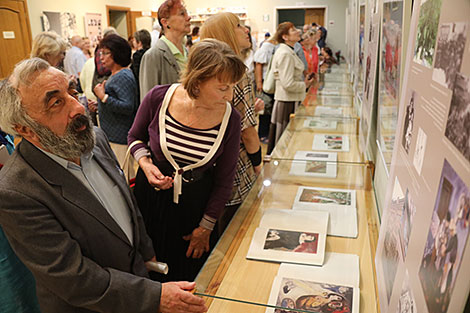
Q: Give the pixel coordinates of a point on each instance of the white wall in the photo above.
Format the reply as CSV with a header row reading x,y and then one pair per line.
x,y
256,9
80,7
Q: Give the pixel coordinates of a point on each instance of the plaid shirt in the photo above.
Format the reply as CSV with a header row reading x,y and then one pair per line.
x,y
244,102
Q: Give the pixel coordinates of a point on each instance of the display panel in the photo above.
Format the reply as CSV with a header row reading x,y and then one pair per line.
x,y
422,256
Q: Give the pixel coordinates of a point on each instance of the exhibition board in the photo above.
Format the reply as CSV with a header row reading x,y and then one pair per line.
x,y
423,255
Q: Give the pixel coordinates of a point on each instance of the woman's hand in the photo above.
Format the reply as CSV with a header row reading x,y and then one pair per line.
x,y
99,90
309,79
258,169
199,242
92,105
153,174
259,105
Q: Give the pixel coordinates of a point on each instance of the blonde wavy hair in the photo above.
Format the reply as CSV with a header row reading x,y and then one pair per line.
x,y
48,45
222,27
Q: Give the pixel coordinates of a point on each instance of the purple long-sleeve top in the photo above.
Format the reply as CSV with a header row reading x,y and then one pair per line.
x,y
146,129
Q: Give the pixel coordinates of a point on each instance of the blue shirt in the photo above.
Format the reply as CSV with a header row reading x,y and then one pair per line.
x,y
102,187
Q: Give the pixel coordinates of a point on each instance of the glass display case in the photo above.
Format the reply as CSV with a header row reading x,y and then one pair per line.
x,y
232,283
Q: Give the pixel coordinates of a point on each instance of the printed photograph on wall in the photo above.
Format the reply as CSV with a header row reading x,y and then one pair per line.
x,y
420,149
391,250
449,53
93,28
408,123
291,241
63,23
458,122
446,240
391,46
407,215
314,296
429,14
406,302
362,21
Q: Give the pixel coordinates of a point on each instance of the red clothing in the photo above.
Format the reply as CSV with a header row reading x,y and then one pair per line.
x,y
312,59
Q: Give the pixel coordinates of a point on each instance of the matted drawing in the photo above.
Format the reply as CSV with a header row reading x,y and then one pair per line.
x,y
429,14
319,123
406,302
409,122
449,53
291,241
313,296
63,23
339,203
331,142
420,149
446,240
311,163
290,236
324,110
458,122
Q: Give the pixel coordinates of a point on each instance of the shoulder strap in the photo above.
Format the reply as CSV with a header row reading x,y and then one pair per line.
x,y
177,180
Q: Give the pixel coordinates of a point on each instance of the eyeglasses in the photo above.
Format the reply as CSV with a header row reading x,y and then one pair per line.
x,y
105,52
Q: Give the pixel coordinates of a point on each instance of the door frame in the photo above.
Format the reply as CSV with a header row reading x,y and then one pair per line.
x,y
278,8
128,17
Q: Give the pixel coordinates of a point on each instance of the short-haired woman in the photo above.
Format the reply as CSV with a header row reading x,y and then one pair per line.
x,y
227,27
187,168
290,84
163,63
50,47
117,96
142,39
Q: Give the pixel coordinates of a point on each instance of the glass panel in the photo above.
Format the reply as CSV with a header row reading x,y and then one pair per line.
x,y
229,275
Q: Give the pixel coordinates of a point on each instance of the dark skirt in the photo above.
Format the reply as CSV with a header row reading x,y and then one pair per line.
x,y
167,222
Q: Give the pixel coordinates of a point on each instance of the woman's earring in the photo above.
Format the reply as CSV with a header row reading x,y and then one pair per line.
x,y
168,26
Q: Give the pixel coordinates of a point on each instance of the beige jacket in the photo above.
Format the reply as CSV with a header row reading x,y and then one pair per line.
x,y
288,69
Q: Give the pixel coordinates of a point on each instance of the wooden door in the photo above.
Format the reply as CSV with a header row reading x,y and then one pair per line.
x,y
15,34
315,16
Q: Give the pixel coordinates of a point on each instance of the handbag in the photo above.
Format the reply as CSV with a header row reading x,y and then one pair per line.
x,y
128,167
269,84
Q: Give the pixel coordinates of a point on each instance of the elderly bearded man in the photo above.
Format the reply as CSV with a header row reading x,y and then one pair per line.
x,y
66,208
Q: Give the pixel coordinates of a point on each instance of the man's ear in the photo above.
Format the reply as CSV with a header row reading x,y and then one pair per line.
x,y
27,133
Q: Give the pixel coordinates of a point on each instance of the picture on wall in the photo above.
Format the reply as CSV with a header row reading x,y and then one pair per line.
x,y
429,14
391,51
409,121
407,216
420,149
291,241
391,251
446,240
457,128
63,23
449,53
313,296
93,28
406,302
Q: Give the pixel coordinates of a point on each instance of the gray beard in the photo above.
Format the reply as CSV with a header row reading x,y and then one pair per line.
x,y
73,144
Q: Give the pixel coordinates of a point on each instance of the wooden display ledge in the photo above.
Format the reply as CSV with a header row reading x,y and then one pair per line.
x,y
228,274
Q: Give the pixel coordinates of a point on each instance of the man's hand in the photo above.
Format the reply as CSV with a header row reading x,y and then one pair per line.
x,y
176,298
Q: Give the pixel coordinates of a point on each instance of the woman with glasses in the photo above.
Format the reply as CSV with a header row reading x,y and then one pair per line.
x,y
117,96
